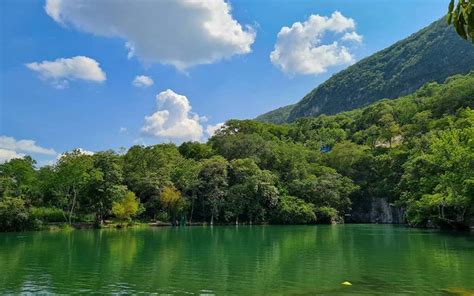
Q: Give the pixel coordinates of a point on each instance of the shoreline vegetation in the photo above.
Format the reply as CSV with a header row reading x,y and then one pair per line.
x,y
416,153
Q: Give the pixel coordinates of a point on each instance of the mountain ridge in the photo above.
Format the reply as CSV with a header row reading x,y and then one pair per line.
x,y
434,53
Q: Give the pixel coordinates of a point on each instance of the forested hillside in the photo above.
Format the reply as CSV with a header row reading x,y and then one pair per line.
x,y
415,152
278,116
432,54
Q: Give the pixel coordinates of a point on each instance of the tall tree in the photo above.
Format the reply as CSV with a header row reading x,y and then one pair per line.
x,y
213,185
105,185
73,174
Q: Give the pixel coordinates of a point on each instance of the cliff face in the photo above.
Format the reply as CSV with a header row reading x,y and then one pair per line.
x,y
377,211
386,213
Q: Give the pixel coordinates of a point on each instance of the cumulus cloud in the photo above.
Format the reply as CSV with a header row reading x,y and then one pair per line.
x,y
28,146
300,49
63,70
6,155
11,148
142,81
212,129
123,130
174,120
352,36
182,33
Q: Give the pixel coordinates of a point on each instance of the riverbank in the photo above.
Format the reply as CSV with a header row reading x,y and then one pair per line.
x,y
116,225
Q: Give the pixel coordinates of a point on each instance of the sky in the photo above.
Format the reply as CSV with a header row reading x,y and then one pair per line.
x,y
106,74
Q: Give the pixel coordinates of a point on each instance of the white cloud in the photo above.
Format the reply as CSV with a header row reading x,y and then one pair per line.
x,y
352,36
81,151
63,70
142,81
85,152
212,129
174,120
123,130
182,33
6,155
27,146
300,49
11,148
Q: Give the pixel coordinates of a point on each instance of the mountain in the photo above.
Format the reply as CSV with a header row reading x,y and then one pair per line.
x,y
432,54
277,116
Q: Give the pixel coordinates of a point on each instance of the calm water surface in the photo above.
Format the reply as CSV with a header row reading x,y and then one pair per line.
x,y
244,260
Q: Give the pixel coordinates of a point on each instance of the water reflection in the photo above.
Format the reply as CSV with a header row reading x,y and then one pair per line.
x,y
297,260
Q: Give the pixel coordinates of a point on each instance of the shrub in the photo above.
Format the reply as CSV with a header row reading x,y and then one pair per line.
x,y
293,210
45,214
327,215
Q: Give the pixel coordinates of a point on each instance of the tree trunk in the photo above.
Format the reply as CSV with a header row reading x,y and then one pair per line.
x,y
71,211
192,210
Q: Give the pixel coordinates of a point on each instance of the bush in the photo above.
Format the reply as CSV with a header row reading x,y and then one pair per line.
x,y
327,215
45,214
293,210
14,215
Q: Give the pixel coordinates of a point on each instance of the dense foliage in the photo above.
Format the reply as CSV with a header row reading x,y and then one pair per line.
x,y
278,116
432,54
461,16
415,152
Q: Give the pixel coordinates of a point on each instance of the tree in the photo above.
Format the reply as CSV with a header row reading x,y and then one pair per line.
x,y
148,170
185,178
127,208
18,178
195,150
461,16
73,174
173,202
105,184
389,127
252,191
14,215
213,185
328,189
438,184
292,210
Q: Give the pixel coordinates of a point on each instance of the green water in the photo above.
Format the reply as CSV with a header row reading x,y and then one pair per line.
x,y
244,260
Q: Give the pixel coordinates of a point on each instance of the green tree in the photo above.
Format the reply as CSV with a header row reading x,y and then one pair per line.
x,y
438,184
173,202
252,191
73,175
14,215
18,178
292,210
195,150
213,185
461,16
105,184
127,208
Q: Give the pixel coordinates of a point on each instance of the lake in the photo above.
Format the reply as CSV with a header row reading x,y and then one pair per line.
x,y
244,260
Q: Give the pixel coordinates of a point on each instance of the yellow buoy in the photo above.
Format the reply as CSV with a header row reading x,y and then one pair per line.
x,y
346,283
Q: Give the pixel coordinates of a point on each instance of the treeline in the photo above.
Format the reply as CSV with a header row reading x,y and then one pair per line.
x,y
417,152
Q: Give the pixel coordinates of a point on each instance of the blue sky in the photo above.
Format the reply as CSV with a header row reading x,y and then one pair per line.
x,y
237,81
